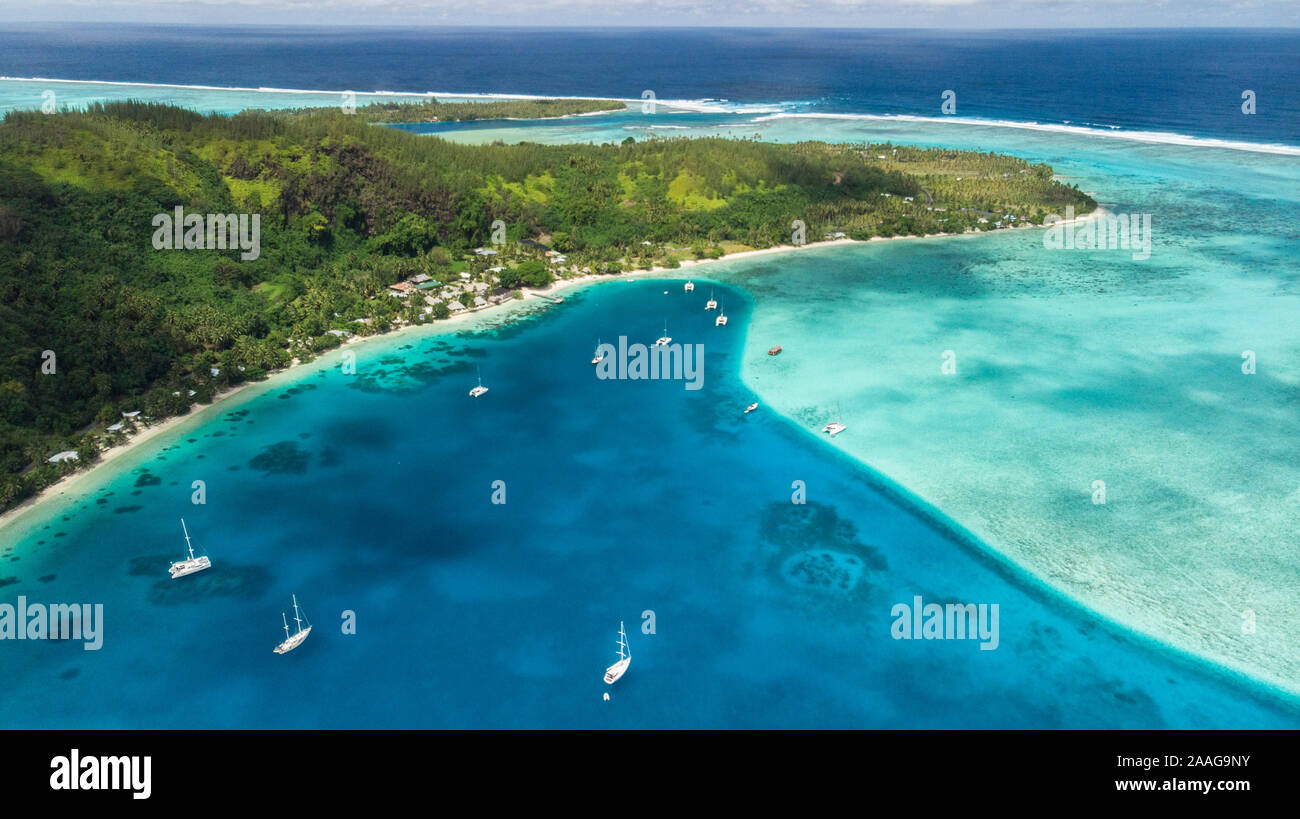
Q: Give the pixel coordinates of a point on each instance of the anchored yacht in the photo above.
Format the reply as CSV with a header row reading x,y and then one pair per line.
x,y
619,668
194,564
293,641
480,389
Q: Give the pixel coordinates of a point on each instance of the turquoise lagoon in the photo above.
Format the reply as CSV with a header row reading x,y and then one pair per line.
x,y
371,493
1072,367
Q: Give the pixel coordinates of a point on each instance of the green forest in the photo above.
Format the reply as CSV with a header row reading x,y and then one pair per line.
x,y
96,322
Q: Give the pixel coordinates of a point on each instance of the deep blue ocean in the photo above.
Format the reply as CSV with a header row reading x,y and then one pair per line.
x,y
1188,82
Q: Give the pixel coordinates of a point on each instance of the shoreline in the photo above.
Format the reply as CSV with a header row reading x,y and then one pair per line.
x,y
61,488
1256,684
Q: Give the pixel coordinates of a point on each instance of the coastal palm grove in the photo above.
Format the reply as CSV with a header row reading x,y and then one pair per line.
x,y
365,228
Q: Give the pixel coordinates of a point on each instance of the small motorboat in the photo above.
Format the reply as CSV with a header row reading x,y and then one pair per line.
x,y
751,408
776,348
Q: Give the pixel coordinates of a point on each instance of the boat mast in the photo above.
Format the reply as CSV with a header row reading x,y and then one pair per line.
x,y
286,625
295,615
622,642
187,538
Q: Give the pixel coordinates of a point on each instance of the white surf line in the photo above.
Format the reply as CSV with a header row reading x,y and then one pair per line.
x,y
1149,137
697,106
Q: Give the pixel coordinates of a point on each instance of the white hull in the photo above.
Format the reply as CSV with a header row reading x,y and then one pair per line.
x,y
750,408
598,359
293,642
720,321
183,567
834,429
711,305
663,342
689,286
617,670
477,391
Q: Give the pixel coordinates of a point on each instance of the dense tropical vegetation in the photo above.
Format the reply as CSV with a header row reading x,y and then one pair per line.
x,y
95,322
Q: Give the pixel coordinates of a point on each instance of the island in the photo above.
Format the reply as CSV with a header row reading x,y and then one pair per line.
x,y
109,322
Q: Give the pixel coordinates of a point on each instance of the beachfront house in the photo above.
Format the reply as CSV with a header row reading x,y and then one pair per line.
x,y
65,455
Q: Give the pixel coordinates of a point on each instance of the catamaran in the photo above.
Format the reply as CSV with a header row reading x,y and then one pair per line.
x,y
835,427
619,668
293,641
480,389
194,564
711,304
664,340
689,287
721,320
599,356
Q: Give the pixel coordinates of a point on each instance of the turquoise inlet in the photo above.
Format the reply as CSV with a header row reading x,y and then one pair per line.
x,y
370,497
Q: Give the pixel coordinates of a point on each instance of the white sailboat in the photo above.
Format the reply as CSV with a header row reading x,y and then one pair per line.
x,y
711,304
599,356
721,320
293,641
689,287
619,668
665,339
480,389
194,564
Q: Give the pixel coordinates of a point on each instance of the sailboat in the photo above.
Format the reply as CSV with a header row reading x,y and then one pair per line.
x,y
480,389
293,641
711,304
618,669
194,564
598,356
835,427
689,287
721,320
664,340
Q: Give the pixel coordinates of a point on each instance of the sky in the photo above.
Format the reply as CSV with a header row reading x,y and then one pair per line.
x,y
814,13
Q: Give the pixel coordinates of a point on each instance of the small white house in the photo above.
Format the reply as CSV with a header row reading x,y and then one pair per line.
x,y
65,455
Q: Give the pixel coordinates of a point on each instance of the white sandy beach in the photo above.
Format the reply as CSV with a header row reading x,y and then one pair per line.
x,y
74,482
